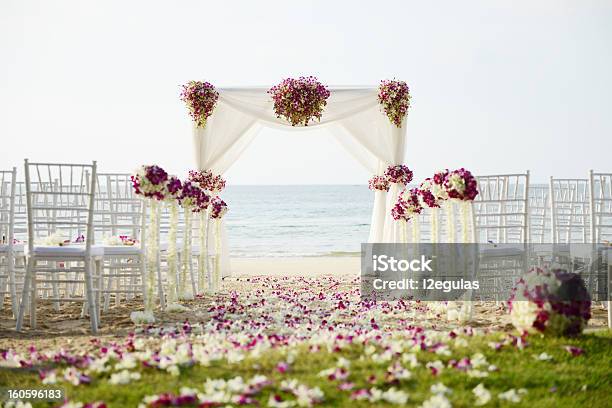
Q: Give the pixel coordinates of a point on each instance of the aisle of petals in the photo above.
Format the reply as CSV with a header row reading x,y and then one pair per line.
x,y
272,325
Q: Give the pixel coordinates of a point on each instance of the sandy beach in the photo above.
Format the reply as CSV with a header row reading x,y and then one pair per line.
x,y
298,266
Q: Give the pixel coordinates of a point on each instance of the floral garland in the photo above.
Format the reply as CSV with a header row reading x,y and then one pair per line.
x,y
150,181
538,303
394,97
201,98
399,174
461,185
299,100
379,183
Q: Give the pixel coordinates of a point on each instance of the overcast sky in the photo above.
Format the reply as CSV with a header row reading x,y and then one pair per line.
x,y
498,86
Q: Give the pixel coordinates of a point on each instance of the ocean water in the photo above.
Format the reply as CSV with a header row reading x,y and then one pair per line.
x,y
306,220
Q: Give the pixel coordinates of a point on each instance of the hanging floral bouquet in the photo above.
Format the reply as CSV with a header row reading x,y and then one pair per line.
x,y
461,185
552,302
150,181
394,97
299,100
379,183
399,174
207,180
201,98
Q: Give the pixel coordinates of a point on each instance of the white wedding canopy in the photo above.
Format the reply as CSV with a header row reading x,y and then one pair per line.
x,y
352,115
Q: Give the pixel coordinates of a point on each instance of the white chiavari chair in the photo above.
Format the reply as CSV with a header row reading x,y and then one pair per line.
x,y
539,218
60,200
600,189
501,213
569,211
8,244
119,212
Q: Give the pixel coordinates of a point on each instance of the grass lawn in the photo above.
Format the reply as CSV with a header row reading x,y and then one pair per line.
x,y
564,380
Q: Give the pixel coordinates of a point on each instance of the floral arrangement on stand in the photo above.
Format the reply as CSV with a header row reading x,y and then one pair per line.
x,y
300,100
193,200
213,184
394,98
218,209
407,208
461,187
173,199
201,98
150,181
540,303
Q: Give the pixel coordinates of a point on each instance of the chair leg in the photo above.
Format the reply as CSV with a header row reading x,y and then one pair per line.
x,y
13,287
56,303
108,286
25,295
91,301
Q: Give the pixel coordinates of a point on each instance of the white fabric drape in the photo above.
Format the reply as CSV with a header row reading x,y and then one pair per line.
x,y
352,115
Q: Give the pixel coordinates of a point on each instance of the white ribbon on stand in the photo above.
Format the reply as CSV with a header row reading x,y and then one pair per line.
x,y
173,253
186,259
216,280
203,273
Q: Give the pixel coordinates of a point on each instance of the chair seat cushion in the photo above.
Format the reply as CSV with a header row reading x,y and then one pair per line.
x,y
66,251
122,250
16,248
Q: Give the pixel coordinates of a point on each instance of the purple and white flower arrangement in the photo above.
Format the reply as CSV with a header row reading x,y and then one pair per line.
x,y
378,183
394,98
407,205
207,180
150,181
218,208
540,302
201,98
300,100
193,197
399,174
461,185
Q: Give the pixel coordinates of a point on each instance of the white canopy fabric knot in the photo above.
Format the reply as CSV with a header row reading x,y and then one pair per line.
x,y
352,115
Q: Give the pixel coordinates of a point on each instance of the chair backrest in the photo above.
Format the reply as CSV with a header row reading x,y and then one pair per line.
x,y
118,211
539,217
21,212
501,208
60,199
569,210
7,206
601,206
